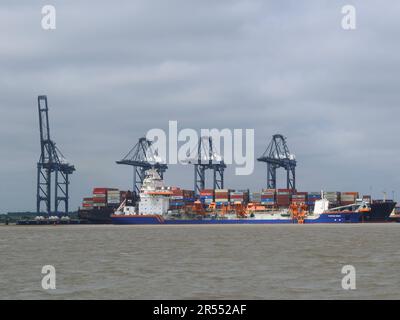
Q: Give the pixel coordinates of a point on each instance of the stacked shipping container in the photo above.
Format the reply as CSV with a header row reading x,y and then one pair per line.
x,y
347,198
180,198
87,203
207,196
268,197
283,197
99,197
221,196
241,196
255,197
300,197
113,197
333,197
106,197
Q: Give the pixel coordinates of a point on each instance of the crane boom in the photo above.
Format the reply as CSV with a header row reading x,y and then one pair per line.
x,y
277,155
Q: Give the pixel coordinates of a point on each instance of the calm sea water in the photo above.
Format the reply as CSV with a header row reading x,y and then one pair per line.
x,y
200,262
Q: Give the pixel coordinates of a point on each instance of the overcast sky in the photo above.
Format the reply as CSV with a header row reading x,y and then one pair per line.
x,y
113,71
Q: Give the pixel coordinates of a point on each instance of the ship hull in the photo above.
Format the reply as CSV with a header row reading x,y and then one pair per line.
x,y
351,217
96,216
380,211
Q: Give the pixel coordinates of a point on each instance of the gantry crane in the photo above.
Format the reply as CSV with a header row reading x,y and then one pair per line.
x,y
142,157
51,162
207,159
277,156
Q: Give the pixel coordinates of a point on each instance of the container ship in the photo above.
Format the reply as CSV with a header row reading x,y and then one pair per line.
x,y
154,208
229,203
103,203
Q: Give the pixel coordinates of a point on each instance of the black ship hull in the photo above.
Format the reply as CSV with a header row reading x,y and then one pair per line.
x,y
380,211
96,216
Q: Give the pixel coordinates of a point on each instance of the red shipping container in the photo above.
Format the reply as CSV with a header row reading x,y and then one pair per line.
x,y
177,192
207,192
99,200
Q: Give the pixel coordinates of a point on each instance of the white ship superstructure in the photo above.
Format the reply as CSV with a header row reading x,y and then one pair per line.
x,y
154,196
